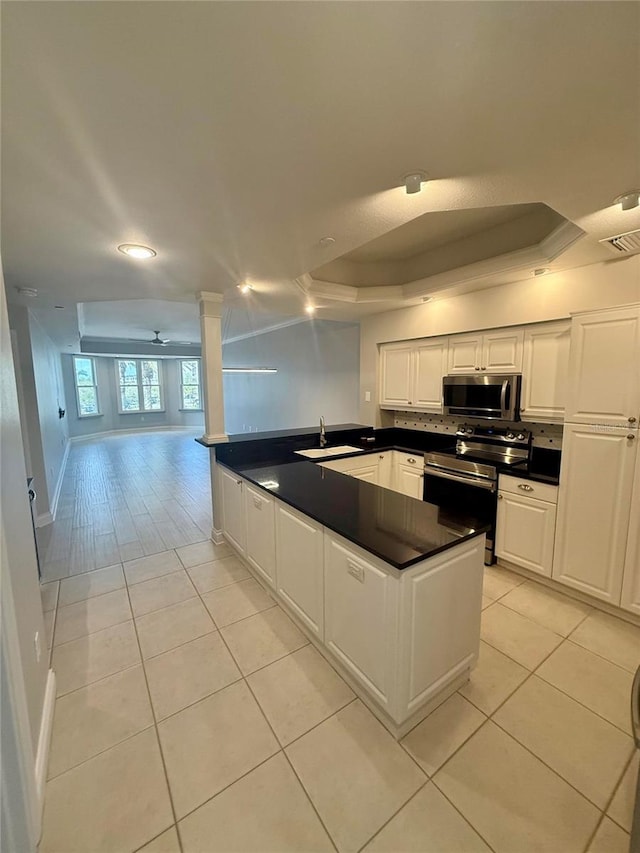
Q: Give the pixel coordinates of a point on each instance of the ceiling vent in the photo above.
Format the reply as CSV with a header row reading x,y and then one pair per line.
x,y
624,244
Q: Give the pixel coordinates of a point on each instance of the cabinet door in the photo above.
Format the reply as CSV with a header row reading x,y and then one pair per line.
x,y
596,479
396,375
368,473
408,474
360,617
545,372
385,469
233,509
502,351
631,583
430,361
299,555
261,534
465,353
525,530
603,366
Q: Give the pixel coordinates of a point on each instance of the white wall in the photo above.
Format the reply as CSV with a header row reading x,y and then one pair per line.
x,y
43,394
111,419
547,297
318,366
23,676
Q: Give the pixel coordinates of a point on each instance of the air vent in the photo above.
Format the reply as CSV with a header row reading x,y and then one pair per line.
x,y
624,244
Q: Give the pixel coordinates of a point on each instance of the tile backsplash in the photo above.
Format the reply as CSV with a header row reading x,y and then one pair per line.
x,y
544,435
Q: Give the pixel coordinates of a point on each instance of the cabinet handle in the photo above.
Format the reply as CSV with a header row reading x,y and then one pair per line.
x,y
477,368
483,368
631,437
524,487
411,460
381,456
631,420
499,497
410,403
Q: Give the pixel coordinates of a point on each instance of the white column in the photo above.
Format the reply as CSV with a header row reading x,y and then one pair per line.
x,y
211,337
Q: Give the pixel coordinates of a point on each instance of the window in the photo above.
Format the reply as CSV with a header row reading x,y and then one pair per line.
x,y
139,385
84,372
190,387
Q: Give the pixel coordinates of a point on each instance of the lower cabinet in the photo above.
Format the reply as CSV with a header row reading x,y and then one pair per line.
x,y
526,523
408,474
360,617
630,599
233,509
261,538
299,558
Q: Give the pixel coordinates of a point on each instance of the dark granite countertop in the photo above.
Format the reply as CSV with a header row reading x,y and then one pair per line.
x,y
285,433
398,529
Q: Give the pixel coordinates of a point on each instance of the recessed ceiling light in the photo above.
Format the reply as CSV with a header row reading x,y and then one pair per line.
x,y
628,200
245,287
541,271
413,182
310,309
134,250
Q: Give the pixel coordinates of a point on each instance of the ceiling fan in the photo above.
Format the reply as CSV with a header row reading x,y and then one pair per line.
x,y
158,341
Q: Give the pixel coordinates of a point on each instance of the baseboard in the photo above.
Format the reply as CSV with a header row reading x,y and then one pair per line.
x,y
107,432
56,493
217,537
44,740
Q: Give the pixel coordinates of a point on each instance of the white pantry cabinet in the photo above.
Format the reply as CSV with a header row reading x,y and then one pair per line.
x,y
234,519
630,598
499,351
411,374
408,474
596,480
299,557
525,523
361,617
261,539
603,366
545,372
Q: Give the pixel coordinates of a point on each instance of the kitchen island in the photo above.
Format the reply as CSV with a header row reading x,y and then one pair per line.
x,y
387,587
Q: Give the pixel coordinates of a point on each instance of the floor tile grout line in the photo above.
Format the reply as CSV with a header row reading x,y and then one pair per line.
x,y
91,633
615,791
97,680
157,732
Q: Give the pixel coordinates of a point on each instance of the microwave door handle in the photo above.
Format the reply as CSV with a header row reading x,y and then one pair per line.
x,y
635,708
503,394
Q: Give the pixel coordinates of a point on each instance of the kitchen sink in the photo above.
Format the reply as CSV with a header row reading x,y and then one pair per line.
x,y
323,452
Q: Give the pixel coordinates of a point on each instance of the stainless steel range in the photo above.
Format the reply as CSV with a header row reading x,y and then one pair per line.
x,y
467,475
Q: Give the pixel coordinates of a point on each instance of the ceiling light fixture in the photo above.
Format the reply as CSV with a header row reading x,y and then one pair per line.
x,y
628,200
310,309
413,182
541,271
245,287
134,250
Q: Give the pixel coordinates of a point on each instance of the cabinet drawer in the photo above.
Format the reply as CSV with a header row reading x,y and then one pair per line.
x,y
528,488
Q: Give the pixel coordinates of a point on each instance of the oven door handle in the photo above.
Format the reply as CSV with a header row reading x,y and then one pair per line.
x,y
635,708
489,485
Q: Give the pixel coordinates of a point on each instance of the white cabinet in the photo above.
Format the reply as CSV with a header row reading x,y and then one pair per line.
x,y
411,374
299,556
545,372
361,617
630,599
499,351
525,524
363,467
234,521
385,469
261,540
408,474
603,366
596,480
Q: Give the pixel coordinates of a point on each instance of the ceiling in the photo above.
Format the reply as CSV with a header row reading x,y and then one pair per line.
x,y
232,137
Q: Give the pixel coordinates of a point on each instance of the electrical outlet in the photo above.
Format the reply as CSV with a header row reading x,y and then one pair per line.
x,y
38,647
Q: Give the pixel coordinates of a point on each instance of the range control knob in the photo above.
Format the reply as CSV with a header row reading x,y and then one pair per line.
x,y
520,436
469,430
510,436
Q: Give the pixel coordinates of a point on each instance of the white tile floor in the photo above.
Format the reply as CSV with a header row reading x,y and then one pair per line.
x,y
193,715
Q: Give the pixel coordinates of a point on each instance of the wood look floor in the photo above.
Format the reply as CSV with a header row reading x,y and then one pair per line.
x,y
125,497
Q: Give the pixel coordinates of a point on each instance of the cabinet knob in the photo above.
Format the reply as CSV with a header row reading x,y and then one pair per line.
x,y
411,460
499,497
631,420
477,368
631,436
381,456
410,403
483,368
525,487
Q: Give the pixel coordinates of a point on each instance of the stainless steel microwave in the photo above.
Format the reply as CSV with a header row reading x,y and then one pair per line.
x,y
487,395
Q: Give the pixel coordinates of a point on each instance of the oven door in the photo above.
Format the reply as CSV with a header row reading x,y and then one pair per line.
x,y
453,490
487,396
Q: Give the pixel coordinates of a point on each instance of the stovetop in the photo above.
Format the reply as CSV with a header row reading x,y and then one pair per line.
x,y
498,447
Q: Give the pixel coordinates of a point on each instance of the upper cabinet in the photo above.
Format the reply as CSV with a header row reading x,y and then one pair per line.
x,y
494,352
411,374
544,372
603,365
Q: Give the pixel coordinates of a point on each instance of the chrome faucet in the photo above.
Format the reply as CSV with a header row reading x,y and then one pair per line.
x,y
323,437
